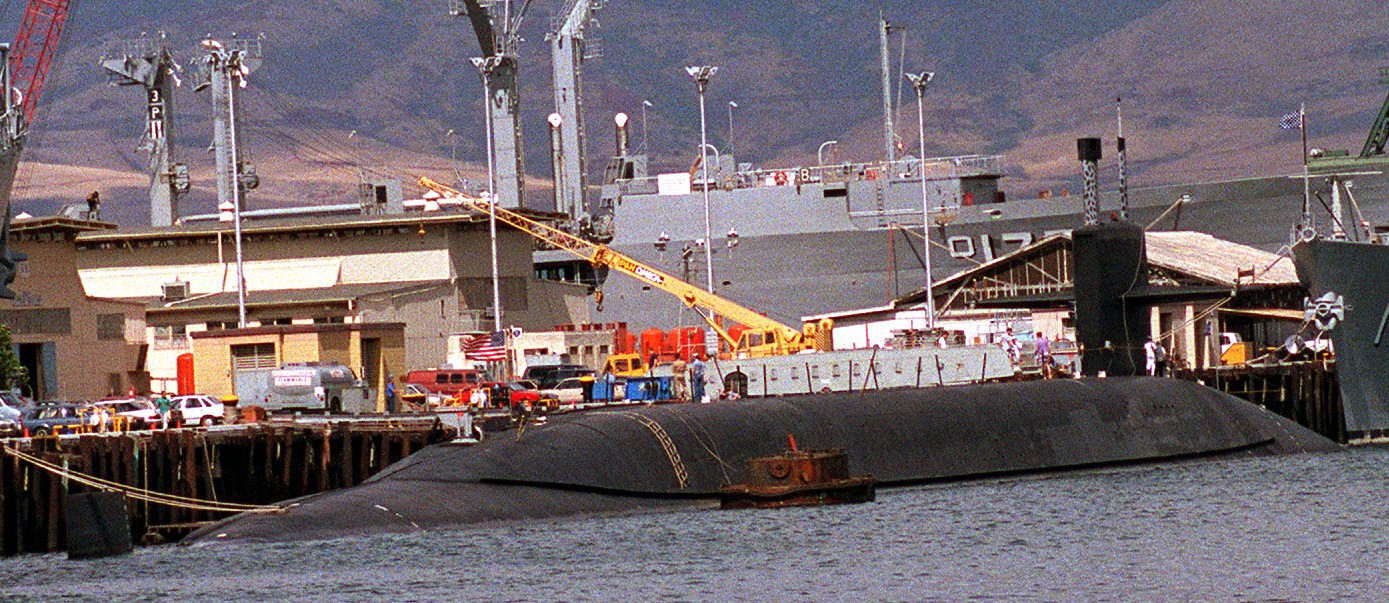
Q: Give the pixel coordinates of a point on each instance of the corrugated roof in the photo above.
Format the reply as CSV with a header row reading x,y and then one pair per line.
x,y
303,224
1217,260
1195,254
338,293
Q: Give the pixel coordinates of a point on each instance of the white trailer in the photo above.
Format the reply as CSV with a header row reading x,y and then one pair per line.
x,y
858,370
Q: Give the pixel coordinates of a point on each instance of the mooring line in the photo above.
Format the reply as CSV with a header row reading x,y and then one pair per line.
x,y
141,494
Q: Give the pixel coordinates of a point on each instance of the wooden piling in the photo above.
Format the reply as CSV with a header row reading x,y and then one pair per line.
x,y
254,464
1307,393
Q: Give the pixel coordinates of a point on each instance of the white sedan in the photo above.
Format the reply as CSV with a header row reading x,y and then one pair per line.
x,y
198,409
569,392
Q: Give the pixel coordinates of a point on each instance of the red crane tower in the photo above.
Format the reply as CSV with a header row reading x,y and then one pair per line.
x,y
24,71
34,48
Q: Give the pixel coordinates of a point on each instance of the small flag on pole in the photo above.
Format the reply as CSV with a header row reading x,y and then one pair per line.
x,y
486,347
1291,121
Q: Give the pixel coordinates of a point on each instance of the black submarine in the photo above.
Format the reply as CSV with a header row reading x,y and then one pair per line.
x,y
678,455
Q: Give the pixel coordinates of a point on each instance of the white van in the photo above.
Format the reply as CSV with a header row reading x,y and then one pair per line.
x,y
313,386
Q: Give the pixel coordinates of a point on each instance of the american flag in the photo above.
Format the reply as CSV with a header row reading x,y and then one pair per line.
x,y
485,347
1291,121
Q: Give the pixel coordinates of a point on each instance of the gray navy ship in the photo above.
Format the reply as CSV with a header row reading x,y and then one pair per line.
x,y
1343,260
798,241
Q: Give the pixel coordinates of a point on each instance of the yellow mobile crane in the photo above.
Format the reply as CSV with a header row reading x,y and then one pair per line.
x,y
763,336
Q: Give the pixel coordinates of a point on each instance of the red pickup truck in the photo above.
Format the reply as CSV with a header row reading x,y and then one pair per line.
x,y
513,392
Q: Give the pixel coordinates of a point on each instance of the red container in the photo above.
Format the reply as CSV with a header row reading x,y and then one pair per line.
x,y
686,342
184,367
624,341
653,342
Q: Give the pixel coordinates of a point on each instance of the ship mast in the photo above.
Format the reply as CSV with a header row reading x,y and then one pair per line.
x,y
143,62
569,48
499,68
889,149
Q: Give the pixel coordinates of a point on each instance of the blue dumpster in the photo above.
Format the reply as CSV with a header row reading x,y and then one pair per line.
x,y
604,391
648,389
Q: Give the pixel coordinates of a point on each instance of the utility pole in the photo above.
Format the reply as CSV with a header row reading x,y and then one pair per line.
x,y
225,69
919,83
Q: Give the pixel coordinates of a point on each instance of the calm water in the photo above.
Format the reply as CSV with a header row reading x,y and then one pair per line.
x,y
1306,528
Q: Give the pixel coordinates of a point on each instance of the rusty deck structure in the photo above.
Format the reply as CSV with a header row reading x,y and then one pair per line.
x,y
210,469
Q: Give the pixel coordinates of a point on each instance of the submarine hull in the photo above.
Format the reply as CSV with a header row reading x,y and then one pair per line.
x,y
679,455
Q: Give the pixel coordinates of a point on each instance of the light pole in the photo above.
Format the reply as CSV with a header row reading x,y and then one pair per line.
x,y
701,76
820,154
485,67
731,106
919,82
644,105
453,155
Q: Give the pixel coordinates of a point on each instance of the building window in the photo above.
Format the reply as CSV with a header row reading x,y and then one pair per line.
x,y
253,356
328,320
49,321
276,322
220,325
110,327
171,336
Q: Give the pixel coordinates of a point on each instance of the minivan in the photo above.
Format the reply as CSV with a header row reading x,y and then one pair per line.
x,y
446,381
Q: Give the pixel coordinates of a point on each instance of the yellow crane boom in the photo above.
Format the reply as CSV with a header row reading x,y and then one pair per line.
x,y
765,336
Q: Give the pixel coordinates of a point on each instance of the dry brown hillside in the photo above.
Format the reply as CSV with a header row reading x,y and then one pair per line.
x,y
377,84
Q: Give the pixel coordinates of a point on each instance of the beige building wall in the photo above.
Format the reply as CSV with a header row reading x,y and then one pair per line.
x,y
349,345
74,347
55,316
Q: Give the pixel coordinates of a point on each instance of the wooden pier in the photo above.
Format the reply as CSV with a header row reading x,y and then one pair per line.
x,y
1306,392
255,464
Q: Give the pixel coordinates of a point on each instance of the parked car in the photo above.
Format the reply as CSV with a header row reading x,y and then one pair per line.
x,y
418,395
138,409
56,417
11,414
568,392
448,382
14,401
196,409
549,375
509,394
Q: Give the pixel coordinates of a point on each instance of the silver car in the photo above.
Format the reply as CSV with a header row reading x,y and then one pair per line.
x,y
11,413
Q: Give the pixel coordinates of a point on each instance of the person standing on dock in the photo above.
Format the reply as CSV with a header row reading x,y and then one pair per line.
x,y
1012,347
1150,355
162,403
680,380
697,369
1043,355
1160,360
391,404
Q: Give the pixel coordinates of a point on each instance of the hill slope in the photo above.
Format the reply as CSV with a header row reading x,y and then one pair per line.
x,y
378,84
